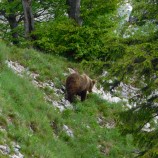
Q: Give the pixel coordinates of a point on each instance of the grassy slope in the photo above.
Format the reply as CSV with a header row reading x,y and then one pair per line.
x,y
27,117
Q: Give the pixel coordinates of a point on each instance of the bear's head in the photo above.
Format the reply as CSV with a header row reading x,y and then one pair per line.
x,y
88,82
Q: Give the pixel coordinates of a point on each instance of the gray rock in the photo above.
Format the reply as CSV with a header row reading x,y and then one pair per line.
x,y
4,149
68,131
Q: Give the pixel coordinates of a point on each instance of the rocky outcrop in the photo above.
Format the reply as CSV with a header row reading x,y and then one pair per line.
x,y
15,153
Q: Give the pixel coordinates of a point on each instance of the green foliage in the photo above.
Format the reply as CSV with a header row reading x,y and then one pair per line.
x,y
13,21
69,40
145,11
93,12
10,12
63,37
138,67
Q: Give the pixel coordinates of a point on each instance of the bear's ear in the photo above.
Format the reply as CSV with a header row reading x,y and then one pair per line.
x,y
94,81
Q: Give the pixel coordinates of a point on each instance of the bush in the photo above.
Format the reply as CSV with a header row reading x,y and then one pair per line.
x,y
63,37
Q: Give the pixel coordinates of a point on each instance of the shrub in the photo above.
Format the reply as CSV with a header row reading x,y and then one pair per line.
x,y
63,37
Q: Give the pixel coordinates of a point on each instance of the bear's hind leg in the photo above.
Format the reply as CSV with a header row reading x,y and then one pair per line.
x,y
83,95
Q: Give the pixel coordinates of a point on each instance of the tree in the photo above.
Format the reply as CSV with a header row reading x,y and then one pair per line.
x,y
12,16
74,10
28,19
8,10
138,66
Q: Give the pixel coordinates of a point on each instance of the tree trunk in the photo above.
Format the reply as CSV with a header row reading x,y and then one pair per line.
x,y
13,26
74,10
28,19
13,23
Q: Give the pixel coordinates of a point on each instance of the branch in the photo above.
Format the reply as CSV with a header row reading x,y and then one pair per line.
x,y
146,123
40,13
2,19
21,18
152,98
2,12
148,103
155,63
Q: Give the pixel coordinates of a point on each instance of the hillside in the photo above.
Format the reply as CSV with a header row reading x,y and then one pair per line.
x,y
36,121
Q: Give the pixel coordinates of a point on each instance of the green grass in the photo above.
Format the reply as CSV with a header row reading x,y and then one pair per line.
x,y
37,126
27,118
89,135
49,67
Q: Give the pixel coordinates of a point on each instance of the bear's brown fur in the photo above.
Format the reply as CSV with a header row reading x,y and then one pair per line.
x,y
77,84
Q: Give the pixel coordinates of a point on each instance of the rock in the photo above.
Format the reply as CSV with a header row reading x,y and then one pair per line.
x,y
106,96
4,149
58,105
68,131
19,69
110,125
2,129
17,156
147,128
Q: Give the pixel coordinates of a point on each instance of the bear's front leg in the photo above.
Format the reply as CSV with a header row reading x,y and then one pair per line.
x,y
70,98
83,95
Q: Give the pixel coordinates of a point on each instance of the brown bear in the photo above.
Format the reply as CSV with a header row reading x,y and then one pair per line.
x,y
77,84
